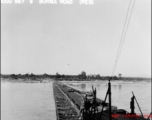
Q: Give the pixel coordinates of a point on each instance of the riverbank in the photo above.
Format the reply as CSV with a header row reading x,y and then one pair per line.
x,y
71,80
3,80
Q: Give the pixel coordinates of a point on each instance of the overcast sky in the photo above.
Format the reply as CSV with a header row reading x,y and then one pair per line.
x,y
69,39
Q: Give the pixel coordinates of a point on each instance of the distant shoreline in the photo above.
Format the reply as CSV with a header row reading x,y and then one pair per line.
x,y
61,77
70,80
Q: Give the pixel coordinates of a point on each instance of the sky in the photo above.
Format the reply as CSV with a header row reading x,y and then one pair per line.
x,y
71,38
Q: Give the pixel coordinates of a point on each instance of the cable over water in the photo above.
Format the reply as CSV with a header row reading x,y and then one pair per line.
x,y
123,35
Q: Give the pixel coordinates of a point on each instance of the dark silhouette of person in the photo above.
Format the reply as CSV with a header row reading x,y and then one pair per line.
x,y
132,105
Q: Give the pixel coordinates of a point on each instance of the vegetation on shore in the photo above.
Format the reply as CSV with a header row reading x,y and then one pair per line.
x,y
60,77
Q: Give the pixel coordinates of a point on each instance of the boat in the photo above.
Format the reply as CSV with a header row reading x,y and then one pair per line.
x,y
72,104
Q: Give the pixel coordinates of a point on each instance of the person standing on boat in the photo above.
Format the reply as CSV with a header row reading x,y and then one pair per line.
x,y
132,106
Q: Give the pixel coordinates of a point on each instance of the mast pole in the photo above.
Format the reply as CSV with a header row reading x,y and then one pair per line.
x,y
108,92
109,99
104,104
138,105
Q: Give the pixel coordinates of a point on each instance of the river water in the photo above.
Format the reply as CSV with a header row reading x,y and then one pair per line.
x,y
27,101
35,101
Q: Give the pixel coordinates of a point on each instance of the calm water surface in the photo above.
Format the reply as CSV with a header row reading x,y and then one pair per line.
x,y
27,101
35,101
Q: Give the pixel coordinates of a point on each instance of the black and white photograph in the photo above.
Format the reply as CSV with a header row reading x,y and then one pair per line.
x,y
76,60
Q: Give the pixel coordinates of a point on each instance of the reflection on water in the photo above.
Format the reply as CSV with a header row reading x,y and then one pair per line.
x,y
120,87
97,86
83,87
115,86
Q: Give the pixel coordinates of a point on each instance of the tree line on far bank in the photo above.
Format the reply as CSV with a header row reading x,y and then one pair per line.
x,y
80,77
